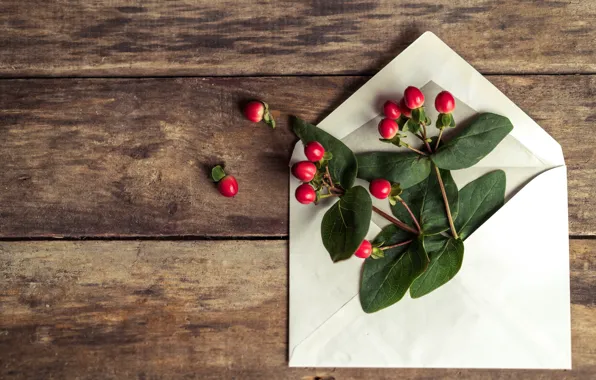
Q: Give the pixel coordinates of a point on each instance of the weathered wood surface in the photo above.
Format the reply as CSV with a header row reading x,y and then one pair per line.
x,y
196,310
184,37
130,157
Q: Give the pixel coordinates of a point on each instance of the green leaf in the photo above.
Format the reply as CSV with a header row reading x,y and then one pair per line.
x,y
444,265
346,223
474,143
217,173
412,126
405,168
480,199
426,202
386,280
343,167
433,243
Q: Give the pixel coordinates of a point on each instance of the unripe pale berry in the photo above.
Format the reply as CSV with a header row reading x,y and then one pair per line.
x,y
388,128
304,170
404,109
228,186
364,250
391,109
314,151
305,194
254,111
414,98
380,188
444,102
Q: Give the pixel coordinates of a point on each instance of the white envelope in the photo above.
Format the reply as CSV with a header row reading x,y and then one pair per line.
x,y
509,305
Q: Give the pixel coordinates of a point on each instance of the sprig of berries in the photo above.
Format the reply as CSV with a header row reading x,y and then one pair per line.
x,y
315,175
257,111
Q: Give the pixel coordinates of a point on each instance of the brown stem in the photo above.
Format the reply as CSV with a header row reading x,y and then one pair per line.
x,y
446,201
329,176
411,214
395,245
425,137
395,221
415,150
439,138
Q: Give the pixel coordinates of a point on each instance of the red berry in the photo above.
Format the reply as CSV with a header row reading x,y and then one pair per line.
x,y
380,188
444,102
305,194
254,111
304,170
364,250
414,98
228,186
404,109
391,110
314,151
388,128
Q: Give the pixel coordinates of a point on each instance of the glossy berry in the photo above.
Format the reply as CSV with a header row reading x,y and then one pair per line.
x,y
391,110
254,111
305,194
404,109
380,188
364,250
314,151
304,170
414,98
388,128
228,186
444,102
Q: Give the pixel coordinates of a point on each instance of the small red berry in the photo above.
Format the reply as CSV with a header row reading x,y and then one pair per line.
x,y
305,194
314,151
254,111
444,102
404,109
304,170
364,250
228,186
388,128
391,110
380,188
414,98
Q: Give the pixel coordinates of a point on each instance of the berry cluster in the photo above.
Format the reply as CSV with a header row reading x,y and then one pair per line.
x,y
314,173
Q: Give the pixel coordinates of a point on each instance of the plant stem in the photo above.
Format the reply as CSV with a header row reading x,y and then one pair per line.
x,y
395,221
411,214
329,176
414,149
439,138
446,201
329,195
425,137
396,245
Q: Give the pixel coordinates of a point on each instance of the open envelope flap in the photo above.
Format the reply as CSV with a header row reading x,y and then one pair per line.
x,y
507,308
417,65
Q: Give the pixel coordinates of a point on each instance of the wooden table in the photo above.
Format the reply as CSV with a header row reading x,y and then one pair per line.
x,y
118,257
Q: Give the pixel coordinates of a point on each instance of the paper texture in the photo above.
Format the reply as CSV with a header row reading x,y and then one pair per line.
x,y
509,305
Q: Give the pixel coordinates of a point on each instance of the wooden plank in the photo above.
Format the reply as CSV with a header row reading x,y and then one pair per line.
x,y
184,37
128,157
192,309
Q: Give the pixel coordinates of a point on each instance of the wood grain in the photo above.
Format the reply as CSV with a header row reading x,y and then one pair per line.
x,y
128,157
204,310
225,37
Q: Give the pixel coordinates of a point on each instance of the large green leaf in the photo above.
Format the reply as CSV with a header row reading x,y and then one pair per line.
x,y
474,143
405,168
386,280
479,200
343,167
426,202
444,265
346,223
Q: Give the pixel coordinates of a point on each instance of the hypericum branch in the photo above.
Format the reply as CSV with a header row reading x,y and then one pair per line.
x,y
425,137
395,245
411,214
446,201
395,221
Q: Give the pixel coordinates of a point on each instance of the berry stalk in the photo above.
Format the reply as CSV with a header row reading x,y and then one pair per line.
x,y
446,201
395,221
